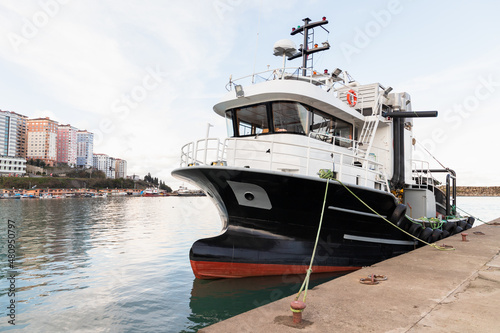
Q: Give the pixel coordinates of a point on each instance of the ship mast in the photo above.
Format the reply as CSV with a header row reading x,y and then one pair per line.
x,y
307,47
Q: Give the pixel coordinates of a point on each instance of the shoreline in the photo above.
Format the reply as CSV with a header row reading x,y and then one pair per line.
x,y
478,191
59,193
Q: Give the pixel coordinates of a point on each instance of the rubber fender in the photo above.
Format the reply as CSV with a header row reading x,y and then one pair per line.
x,y
450,227
437,234
398,213
426,234
457,230
445,233
404,223
468,226
471,220
462,224
415,230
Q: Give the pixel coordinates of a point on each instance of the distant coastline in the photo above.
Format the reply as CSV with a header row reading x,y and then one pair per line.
x,y
478,191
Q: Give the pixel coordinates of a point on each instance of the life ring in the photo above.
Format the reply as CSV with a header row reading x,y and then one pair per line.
x,y
352,98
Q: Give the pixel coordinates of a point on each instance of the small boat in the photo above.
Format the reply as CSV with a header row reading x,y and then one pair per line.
x,y
185,192
307,146
150,192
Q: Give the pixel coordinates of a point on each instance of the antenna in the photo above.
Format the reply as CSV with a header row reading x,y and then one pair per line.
x,y
256,43
304,50
284,48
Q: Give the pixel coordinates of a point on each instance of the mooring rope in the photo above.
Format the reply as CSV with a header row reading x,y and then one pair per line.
x,y
477,218
305,284
386,220
328,176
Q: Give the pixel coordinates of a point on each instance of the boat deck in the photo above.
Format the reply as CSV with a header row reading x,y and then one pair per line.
x,y
426,290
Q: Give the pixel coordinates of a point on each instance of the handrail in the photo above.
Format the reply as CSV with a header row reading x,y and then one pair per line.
x,y
451,188
190,155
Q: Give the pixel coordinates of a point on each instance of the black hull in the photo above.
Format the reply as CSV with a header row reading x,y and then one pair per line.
x,y
271,222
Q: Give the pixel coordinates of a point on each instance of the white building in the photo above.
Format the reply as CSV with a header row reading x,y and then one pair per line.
x,y
12,166
84,148
12,134
105,164
120,168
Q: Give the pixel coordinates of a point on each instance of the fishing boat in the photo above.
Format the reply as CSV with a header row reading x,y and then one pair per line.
x,y
150,192
306,146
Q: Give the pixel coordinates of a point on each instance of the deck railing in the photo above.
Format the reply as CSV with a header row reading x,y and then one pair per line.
x,y
213,151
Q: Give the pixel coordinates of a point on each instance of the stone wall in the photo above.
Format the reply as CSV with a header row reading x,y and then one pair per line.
x,y
33,169
476,191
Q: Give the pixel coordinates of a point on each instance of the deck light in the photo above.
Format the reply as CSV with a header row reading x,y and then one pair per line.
x,y
337,72
387,91
239,90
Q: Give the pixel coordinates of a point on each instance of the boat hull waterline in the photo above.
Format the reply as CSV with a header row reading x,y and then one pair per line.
x,y
271,221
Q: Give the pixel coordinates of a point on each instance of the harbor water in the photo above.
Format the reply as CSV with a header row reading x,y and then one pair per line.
x,y
121,264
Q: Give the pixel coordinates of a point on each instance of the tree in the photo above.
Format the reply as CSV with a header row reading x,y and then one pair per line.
x,y
148,178
165,187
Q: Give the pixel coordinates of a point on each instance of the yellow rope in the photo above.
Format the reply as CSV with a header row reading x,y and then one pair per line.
x,y
373,210
305,284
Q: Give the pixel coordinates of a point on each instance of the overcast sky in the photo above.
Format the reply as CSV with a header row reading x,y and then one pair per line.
x,y
143,75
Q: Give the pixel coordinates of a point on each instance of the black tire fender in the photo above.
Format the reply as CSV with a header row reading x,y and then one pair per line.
x,y
436,235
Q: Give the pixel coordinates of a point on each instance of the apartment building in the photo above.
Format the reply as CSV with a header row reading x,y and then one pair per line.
x,y
42,140
120,168
66,144
105,164
12,134
84,148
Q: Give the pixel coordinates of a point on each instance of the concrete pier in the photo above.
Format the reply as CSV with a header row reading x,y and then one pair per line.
x,y
427,290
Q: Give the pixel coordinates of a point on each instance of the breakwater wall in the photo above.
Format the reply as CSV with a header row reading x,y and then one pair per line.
x,y
478,191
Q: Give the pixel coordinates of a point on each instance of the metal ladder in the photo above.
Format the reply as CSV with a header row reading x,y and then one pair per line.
x,y
369,128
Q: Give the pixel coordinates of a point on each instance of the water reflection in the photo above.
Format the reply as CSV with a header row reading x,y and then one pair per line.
x,y
120,264
215,300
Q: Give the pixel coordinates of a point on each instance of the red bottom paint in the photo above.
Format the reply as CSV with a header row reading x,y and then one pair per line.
x,y
216,270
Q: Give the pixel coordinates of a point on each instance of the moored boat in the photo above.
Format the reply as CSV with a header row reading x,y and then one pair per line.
x,y
291,135
150,192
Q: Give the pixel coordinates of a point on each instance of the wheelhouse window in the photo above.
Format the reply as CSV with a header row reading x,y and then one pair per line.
x,y
288,117
322,126
250,120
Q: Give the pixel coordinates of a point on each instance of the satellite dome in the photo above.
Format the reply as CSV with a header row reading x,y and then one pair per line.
x,y
284,47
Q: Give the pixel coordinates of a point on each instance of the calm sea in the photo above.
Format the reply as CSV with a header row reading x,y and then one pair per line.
x,y
122,265
119,265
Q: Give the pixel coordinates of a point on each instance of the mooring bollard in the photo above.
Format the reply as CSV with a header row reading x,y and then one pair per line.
x,y
297,307
464,237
